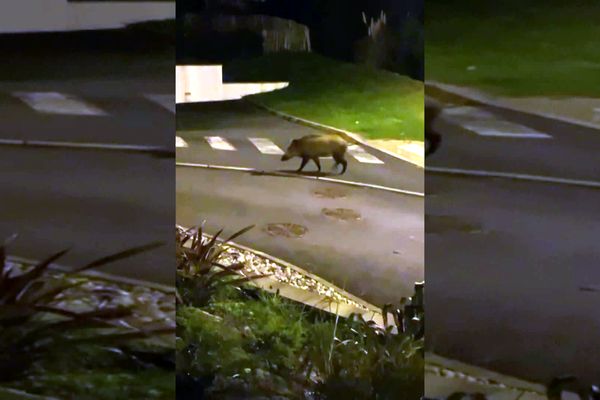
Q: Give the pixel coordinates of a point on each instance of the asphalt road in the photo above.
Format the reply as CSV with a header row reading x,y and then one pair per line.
x,y
378,257
131,118
512,277
95,202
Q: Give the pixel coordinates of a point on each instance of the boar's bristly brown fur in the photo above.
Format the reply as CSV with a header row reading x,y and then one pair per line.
x,y
312,147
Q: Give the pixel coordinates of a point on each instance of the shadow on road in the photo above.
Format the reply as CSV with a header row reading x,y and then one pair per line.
x,y
293,172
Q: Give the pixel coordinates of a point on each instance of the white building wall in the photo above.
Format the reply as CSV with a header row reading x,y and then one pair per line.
x,y
198,83
33,15
17,16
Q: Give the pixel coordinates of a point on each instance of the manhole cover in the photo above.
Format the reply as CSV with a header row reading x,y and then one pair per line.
x,y
443,223
344,214
286,230
330,193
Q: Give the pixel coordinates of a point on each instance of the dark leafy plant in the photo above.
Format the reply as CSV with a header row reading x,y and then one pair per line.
x,y
33,322
231,344
409,317
199,272
361,355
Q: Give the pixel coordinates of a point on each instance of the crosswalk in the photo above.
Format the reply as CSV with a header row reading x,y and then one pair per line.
x,y
484,123
49,102
58,103
266,146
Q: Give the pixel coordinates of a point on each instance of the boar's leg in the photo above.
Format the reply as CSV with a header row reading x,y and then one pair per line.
x,y
316,160
303,164
339,159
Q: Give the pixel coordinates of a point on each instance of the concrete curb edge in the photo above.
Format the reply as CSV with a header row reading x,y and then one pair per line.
x,y
487,100
292,175
371,309
152,150
95,274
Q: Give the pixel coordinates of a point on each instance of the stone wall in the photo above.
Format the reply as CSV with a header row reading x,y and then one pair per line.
x,y
278,34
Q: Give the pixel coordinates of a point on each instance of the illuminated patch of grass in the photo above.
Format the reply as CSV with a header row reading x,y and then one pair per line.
x,y
516,49
374,103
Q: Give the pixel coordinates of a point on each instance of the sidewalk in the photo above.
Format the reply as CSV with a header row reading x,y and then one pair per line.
x,y
575,110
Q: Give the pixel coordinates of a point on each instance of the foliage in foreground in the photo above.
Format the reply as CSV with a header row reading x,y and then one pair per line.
x,y
241,342
51,343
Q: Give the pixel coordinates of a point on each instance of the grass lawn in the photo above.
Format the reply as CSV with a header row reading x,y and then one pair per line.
x,y
516,48
376,104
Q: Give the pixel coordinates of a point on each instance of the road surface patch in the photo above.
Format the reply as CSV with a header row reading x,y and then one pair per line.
x,y
330,193
362,156
484,123
266,146
218,143
438,224
58,103
179,142
165,100
342,214
287,230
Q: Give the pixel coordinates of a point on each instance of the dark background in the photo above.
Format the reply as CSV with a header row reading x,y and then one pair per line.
x,y
335,25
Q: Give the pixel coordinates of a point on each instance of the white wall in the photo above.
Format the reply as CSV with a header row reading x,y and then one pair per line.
x,y
33,15
60,15
198,83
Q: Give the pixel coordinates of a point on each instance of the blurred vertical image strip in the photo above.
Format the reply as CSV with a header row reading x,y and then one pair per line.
x,y
512,184
300,199
87,204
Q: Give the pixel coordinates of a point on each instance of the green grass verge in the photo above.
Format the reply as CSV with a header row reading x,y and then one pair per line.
x,y
374,103
518,49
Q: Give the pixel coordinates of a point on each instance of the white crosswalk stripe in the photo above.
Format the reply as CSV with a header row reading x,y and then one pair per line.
x,y
362,156
58,103
484,123
179,142
218,143
266,146
165,100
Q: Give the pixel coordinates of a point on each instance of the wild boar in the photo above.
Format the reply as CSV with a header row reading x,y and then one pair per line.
x,y
312,147
432,138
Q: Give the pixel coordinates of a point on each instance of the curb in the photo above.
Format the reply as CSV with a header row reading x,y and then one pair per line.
x,y
292,175
349,136
444,377
99,275
286,290
513,176
447,376
152,150
463,95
